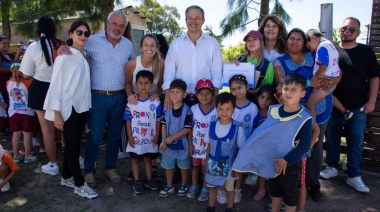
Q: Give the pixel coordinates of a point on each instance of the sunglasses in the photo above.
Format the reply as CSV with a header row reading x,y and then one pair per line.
x,y
277,95
351,30
80,33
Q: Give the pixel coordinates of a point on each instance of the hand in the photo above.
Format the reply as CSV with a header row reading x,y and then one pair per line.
x,y
235,61
167,101
131,142
369,107
3,105
162,146
132,99
281,165
191,150
58,121
153,97
64,49
169,140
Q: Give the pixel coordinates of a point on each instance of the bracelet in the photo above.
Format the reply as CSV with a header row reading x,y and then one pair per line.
x,y
162,140
308,83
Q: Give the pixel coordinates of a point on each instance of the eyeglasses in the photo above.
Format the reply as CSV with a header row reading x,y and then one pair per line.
x,y
277,95
351,30
80,32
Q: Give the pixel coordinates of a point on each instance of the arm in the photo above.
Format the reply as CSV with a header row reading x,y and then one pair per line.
x,y
7,178
58,120
128,127
179,134
129,68
59,79
216,66
190,140
373,91
279,74
163,135
321,71
18,54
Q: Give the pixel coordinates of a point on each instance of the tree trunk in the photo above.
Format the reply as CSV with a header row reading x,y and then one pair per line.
x,y
5,6
264,10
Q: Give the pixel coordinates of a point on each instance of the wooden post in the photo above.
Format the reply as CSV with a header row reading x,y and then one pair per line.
x,y
326,21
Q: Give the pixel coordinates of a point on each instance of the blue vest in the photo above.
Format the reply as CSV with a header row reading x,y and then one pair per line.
x,y
324,107
179,149
274,138
222,154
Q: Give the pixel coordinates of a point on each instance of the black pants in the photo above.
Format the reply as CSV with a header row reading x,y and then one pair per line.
x,y
72,132
314,163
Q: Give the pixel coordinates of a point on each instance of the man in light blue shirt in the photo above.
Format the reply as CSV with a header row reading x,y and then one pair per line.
x,y
107,54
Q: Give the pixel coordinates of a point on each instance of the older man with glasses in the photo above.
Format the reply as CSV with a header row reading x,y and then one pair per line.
x,y
357,91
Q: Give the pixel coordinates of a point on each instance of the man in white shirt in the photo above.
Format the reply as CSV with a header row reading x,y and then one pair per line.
x,y
193,56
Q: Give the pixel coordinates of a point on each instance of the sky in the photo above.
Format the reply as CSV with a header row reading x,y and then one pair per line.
x,y
305,14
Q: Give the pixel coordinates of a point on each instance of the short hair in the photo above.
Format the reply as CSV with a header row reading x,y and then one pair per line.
x,y
267,88
314,32
178,84
119,13
224,98
297,79
195,7
145,74
354,19
3,38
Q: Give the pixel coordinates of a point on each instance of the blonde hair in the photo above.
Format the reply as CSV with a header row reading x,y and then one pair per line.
x,y
260,51
16,73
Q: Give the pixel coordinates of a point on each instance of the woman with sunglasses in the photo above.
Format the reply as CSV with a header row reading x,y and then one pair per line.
x,y
67,104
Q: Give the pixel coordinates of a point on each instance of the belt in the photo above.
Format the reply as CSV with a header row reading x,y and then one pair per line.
x,y
107,92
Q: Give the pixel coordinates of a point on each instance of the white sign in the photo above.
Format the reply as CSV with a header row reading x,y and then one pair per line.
x,y
246,69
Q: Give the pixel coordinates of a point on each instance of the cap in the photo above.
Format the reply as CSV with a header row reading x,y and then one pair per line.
x,y
253,33
204,83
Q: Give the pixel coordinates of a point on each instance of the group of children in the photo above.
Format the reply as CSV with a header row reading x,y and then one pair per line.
x,y
207,137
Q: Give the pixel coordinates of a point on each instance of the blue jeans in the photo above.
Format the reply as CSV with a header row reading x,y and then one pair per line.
x,y
354,128
106,109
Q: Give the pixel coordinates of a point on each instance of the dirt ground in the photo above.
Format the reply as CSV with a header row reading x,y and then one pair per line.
x,y
32,190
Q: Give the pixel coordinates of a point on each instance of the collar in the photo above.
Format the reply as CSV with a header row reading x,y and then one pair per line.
x,y
276,115
76,51
186,35
308,61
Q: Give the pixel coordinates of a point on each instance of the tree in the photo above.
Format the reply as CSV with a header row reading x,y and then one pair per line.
x,y
239,16
5,7
233,52
164,19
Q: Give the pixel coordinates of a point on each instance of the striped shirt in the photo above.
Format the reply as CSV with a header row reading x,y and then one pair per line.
x,y
107,63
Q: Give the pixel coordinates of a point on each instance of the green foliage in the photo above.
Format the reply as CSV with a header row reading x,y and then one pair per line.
x,y
164,19
233,52
208,30
336,38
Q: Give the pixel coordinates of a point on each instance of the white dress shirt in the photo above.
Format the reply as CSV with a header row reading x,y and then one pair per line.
x,y
69,87
191,62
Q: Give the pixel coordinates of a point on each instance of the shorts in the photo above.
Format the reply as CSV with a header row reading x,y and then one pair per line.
x,y
286,186
37,93
228,185
2,121
21,122
150,155
196,162
169,162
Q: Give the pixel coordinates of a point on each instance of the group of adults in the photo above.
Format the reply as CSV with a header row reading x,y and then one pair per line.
x,y
196,55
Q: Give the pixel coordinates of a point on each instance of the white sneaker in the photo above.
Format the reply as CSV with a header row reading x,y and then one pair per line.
x,y
35,142
50,169
68,182
237,197
85,191
222,196
6,187
81,162
251,180
357,184
329,172
42,150
123,155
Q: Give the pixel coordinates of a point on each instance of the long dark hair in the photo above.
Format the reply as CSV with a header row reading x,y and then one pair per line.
x,y
46,29
282,33
74,26
164,46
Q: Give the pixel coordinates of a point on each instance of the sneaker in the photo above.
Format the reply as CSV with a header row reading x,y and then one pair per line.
x,y
222,196
268,207
17,158
205,193
153,185
210,209
344,165
50,169
85,191
30,158
192,192
69,182
166,191
357,184
112,175
102,144
329,172
348,114
259,195
42,151
6,187
237,197
90,180
251,180
123,155
81,162
228,209
130,177
35,142
138,187
182,190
